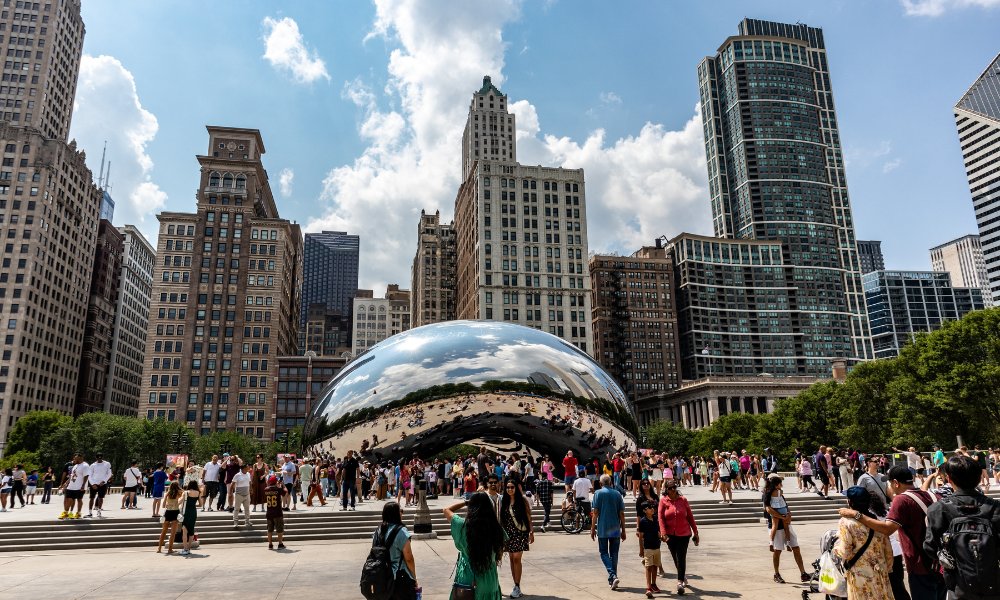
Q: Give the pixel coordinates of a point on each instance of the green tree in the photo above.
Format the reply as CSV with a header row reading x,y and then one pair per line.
x,y
801,421
244,446
664,436
729,432
29,460
57,448
29,431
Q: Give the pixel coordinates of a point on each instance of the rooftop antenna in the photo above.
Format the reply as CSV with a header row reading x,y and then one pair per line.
x,y
107,179
100,178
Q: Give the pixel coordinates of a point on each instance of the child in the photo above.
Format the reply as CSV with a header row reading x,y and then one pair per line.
x,y
32,486
806,478
273,495
649,546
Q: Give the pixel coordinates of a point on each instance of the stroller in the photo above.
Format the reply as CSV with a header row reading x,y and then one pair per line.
x,y
826,544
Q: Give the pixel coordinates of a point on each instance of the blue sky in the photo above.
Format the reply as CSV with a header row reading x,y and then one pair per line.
x,y
361,107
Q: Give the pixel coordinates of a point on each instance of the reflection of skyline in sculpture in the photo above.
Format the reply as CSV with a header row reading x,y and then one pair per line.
x,y
439,385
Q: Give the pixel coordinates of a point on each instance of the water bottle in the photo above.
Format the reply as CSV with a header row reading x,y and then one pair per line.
x,y
420,593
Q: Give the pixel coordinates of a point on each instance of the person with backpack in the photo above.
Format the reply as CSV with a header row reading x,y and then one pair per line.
x,y
866,552
962,532
390,573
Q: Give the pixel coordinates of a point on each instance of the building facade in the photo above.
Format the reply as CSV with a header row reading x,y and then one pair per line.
x,y
330,271
870,255
963,260
298,385
51,211
377,319
635,319
98,332
226,295
521,231
433,284
131,325
776,173
904,303
327,332
977,117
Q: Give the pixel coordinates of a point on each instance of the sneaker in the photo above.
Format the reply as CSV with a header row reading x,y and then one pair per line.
x,y
185,552
343,508
655,589
722,502
649,592
680,588
544,525
99,513
270,546
89,515
352,508
75,516
62,515
615,583
778,579
281,546
805,577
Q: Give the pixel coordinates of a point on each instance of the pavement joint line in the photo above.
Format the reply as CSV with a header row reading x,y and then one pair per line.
x,y
108,582
287,575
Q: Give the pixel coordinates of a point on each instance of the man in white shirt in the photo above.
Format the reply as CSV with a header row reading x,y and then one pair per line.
x,y
210,477
582,487
133,479
100,477
241,495
289,473
306,479
74,486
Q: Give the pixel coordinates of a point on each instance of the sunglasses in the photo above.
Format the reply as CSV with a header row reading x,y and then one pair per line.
x,y
510,487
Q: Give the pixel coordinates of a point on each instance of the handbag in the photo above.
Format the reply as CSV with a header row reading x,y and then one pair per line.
x,y
462,591
832,579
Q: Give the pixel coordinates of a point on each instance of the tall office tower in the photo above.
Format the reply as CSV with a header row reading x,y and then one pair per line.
x,y
963,259
128,341
904,303
226,296
433,284
330,271
105,284
635,319
377,319
977,116
51,209
776,173
521,231
870,255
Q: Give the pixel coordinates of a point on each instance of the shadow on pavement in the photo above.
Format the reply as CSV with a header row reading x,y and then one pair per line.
x,y
713,593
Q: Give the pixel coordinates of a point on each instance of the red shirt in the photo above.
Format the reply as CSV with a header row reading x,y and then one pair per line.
x,y
912,530
617,464
569,463
675,517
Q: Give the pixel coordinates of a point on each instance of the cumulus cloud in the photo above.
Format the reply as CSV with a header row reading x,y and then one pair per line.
x,y
108,109
638,187
285,49
936,8
285,180
610,98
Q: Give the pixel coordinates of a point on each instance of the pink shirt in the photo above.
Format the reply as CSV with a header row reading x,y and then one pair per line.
x,y
675,517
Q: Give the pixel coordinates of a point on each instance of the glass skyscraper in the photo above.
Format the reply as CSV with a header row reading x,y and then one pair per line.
x,y
776,173
330,272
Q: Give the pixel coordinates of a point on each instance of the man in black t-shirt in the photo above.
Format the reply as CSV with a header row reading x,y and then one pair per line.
x,y
275,518
349,476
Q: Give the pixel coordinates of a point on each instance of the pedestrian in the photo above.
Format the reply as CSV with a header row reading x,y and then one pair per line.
x,y
725,469
867,549
241,497
159,478
100,477
289,475
607,526
776,509
678,529
171,510
822,473
190,516
648,533
349,487
569,467
18,483
878,491
273,500
48,480
74,485
515,517
31,484
805,476
210,477
543,491
132,480
231,468
306,472
404,567
479,539
5,489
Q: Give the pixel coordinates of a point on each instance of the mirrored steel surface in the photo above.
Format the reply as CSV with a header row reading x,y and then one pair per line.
x,y
511,387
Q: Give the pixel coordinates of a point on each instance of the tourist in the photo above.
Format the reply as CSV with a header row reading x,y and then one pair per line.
x,y
470,483
404,568
582,489
274,502
48,480
822,471
479,539
258,481
229,470
703,471
607,526
914,462
100,477
543,491
493,492
159,478
171,509
306,472
74,486
648,533
241,497
289,475
779,519
805,476
725,470
515,518
646,495
349,468
18,477
846,478
869,576
210,476
30,486
677,528
189,511
5,489
569,467
132,478
635,473
656,473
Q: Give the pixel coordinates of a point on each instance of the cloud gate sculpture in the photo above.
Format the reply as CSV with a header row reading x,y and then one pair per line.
x,y
480,382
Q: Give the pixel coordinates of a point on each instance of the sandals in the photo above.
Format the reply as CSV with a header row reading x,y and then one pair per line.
x,y
778,579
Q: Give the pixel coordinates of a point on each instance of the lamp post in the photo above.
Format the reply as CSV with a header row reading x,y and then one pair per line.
x,y
422,528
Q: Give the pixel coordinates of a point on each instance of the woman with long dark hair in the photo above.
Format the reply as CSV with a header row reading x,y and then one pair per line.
x,y
515,517
480,541
404,568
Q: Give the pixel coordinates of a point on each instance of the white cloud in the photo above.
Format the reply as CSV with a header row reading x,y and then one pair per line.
x,y
610,98
638,187
891,165
285,49
285,180
936,8
108,109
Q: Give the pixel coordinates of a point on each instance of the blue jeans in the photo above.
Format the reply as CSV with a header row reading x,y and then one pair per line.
x,y
927,587
348,488
609,554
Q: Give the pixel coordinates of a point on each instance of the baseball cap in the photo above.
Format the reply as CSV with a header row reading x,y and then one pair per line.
x,y
272,480
899,473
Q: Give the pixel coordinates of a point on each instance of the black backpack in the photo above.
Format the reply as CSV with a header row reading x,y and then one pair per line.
x,y
971,543
377,579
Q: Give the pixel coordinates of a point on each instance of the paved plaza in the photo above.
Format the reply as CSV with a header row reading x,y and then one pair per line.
x,y
732,562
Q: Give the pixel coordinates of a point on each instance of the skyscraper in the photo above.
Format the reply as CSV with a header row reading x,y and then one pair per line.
x,y
330,271
433,285
776,173
870,255
977,117
52,210
225,296
963,259
521,231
